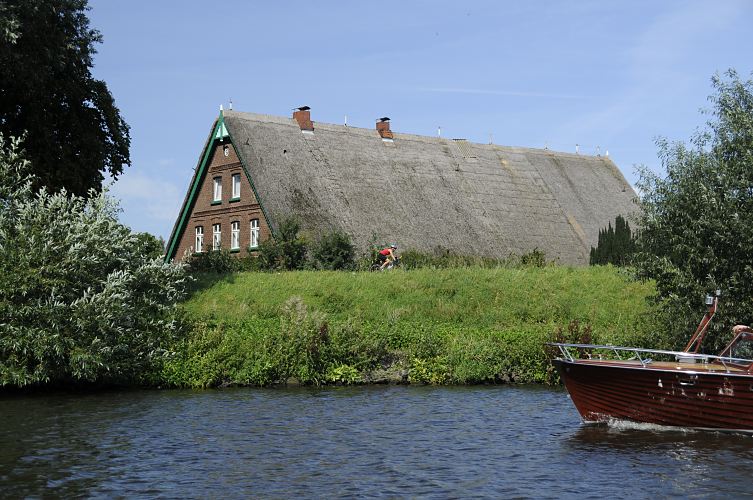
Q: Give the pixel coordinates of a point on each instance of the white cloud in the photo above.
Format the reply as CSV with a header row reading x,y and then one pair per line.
x,y
149,204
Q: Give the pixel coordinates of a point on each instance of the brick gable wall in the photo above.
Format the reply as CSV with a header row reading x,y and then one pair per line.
x,y
206,214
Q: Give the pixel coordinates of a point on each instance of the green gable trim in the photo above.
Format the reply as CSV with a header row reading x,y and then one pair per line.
x,y
221,132
180,228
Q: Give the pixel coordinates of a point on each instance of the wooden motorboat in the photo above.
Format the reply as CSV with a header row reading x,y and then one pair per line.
x,y
671,388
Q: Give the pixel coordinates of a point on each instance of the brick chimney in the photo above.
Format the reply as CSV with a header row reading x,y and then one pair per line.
x,y
383,127
303,116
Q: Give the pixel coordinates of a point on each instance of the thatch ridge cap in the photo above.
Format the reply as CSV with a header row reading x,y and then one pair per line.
x,y
404,136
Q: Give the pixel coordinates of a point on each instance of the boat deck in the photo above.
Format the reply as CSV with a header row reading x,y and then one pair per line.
x,y
712,367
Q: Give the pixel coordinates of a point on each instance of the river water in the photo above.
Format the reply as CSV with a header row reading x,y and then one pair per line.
x,y
385,442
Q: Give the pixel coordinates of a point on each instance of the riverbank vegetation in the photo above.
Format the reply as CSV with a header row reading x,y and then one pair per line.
x,y
441,326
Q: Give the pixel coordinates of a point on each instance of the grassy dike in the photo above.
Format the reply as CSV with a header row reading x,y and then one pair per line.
x,y
446,326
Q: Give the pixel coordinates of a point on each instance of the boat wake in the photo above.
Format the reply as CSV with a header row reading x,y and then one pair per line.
x,y
628,425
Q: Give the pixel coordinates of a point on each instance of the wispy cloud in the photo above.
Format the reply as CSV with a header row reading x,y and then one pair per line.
x,y
149,204
658,73
512,93
673,37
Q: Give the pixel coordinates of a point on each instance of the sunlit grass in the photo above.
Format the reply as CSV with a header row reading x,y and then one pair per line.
x,y
462,325
479,298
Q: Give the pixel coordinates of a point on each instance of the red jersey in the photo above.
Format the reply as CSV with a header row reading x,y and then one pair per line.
x,y
386,251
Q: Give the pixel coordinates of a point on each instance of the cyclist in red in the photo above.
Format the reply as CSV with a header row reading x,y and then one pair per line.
x,y
386,256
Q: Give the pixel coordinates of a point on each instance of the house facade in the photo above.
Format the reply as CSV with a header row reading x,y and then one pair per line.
x,y
425,193
221,209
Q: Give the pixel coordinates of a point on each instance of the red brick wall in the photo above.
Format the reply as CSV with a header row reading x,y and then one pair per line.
x,y
206,214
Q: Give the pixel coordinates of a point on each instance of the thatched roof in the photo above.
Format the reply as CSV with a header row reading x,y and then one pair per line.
x,y
429,192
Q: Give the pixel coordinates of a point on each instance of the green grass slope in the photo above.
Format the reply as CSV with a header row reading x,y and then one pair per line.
x,y
464,325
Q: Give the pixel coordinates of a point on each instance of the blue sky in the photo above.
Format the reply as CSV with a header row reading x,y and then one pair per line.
x,y
612,75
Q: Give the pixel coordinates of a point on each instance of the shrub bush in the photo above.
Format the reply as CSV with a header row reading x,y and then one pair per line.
x,y
82,298
334,251
213,261
287,250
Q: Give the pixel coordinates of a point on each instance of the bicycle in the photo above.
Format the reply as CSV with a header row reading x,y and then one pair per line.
x,y
377,266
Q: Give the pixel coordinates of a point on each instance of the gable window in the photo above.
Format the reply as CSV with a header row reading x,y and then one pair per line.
x,y
216,237
199,244
254,233
235,235
217,193
236,187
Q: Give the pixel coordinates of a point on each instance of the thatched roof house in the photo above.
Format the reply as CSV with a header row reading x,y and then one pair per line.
x,y
422,192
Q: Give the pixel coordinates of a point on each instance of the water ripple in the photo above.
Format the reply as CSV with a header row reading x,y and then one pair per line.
x,y
366,442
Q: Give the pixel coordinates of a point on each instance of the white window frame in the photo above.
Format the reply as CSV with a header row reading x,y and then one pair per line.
x,y
254,242
235,235
216,236
199,241
217,192
236,186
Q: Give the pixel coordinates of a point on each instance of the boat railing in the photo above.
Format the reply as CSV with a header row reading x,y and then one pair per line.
x,y
644,356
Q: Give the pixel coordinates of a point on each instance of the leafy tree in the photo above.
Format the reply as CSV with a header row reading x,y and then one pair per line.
x,y
697,222
334,251
82,298
615,246
73,131
154,246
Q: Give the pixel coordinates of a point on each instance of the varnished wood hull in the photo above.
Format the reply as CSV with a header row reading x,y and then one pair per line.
x,y
672,395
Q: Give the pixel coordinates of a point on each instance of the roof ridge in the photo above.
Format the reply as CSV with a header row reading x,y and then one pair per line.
x,y
282,120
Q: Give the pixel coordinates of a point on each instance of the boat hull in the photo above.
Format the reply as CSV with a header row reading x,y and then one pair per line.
x,y
671,396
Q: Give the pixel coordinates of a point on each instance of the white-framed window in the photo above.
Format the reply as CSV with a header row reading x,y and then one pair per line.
x,y
254,233
236,186
216,236
217,196
235,235
199,245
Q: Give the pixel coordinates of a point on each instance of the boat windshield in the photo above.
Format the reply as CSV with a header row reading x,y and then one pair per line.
x,y
741,347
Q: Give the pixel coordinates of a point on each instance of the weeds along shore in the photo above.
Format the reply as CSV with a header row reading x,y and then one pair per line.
x,y
439,326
